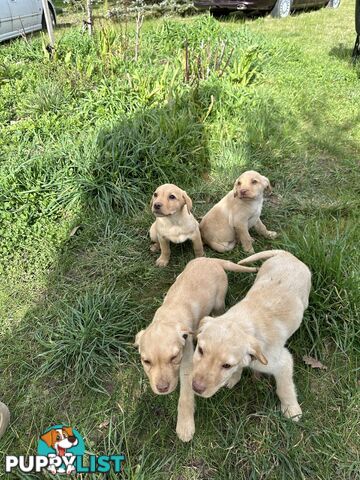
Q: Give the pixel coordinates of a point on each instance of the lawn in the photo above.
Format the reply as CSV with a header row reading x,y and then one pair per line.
x,y
85,137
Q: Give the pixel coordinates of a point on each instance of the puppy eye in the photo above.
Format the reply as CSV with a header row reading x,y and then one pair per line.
x,y
226,366
147,362
252,357
254,181
173,358
239,183
201,351
58,437
172,197
155,195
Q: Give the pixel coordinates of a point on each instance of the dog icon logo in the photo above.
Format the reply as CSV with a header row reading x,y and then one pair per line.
x,y
62,445
61,450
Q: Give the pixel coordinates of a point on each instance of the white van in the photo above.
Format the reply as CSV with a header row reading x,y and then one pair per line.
x,y
18,17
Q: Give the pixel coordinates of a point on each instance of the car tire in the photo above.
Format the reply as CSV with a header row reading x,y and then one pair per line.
x,y
281,9
334,4
219,12
52,16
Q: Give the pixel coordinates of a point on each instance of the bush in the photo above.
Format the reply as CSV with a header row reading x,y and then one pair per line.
x,y
151,8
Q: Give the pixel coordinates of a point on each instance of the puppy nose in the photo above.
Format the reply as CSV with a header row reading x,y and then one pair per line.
x,y
157,206
198,387
243,191
72,439
163,387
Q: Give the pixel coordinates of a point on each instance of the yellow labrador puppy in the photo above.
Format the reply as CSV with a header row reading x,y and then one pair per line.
x,y
229,221
4,418
253,332
166,346
174,222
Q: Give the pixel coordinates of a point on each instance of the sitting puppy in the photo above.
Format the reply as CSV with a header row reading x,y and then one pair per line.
x,y
174,222
229,220
254,331
166,346
4,418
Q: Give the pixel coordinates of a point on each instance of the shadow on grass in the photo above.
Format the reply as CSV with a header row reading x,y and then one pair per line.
x,y
342,52
153,147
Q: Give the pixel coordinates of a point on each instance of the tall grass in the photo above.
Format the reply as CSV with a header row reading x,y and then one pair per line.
x,y
84,339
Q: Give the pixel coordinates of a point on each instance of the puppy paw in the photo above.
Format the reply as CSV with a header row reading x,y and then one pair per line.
x,y
185,430
271,235
162,262
199,254
249,249
292,411
155,247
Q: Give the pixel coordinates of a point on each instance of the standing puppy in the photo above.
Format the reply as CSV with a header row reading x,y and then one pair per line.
x,y
229,221
166,346
174,222
254,331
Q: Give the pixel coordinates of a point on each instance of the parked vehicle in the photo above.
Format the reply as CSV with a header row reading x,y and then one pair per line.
x,y
277,8
18,17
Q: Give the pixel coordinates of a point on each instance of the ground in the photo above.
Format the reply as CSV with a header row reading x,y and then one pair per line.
x,y
85,137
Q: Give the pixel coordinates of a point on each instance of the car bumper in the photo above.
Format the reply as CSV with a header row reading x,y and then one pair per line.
x,y
234,4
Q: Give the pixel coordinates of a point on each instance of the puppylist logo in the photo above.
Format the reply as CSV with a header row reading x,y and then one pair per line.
x,y
61,450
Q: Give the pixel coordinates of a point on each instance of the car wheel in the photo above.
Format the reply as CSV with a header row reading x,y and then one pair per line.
x,y
281,9
333,4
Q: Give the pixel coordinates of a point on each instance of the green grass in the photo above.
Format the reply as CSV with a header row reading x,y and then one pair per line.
x,y
84,139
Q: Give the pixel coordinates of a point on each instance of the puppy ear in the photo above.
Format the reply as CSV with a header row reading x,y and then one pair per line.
x,y
151,201
69,431
137,338
184,333
235,189
256,352
266,183
48,438
188,201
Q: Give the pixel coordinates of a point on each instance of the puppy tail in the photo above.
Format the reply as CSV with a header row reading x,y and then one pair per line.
x,y
262,256
233,267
